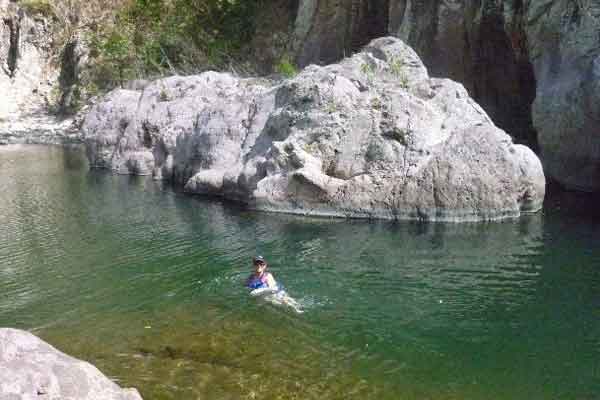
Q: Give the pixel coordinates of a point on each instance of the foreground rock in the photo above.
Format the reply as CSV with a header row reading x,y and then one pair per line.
x,y
372,137
32,369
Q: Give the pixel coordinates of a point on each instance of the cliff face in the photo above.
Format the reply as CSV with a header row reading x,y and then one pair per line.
x,y
24,57
326,30
38,74
565,53
534,66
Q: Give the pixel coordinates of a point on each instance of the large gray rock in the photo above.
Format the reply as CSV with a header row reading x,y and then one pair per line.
x,y
32,369
373,136
534,66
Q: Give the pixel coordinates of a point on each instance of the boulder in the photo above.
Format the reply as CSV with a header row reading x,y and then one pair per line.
x,y
32,369
372,137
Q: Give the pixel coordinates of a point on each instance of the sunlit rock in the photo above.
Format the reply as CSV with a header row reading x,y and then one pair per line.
x,y
371,137
32,369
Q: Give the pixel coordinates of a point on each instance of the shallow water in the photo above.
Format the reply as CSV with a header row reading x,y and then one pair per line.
x,y
146,283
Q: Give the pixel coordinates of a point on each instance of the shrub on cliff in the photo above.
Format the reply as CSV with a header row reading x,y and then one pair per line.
x,y
156,37
38,7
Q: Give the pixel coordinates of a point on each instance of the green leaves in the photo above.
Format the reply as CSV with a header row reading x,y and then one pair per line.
x,y
154,37
286,67
38,7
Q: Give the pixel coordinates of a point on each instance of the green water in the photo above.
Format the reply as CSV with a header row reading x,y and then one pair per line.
x,y
146,283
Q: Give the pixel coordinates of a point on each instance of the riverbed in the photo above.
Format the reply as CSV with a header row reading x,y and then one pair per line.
x,y
146,283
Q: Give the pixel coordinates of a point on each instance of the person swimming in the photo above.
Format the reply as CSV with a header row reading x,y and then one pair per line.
x,y
261,278
263,284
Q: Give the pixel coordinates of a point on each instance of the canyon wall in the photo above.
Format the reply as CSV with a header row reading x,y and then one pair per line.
x,y
534,66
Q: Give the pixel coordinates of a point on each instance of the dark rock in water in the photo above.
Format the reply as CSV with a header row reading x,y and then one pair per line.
x,y
370,137
31,368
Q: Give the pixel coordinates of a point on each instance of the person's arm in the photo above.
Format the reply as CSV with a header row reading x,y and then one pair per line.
x,y
271,283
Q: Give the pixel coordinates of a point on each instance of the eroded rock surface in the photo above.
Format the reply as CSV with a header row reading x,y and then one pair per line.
x,y
373,136
32,369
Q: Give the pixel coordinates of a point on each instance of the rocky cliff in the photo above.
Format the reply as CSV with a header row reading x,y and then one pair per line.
x,y
372,136
32,369
532,65
24,56
37,75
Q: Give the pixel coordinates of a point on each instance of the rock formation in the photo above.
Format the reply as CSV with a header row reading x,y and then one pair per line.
x,y
34,72
32,369
373,136
532,65
25,75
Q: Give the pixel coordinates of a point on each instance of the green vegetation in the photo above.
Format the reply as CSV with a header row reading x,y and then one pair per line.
x,y
286,68
149,38
368,71
397,69
37,7
397,66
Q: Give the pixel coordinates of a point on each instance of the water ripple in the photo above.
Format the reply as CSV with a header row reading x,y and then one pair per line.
x,y
148,284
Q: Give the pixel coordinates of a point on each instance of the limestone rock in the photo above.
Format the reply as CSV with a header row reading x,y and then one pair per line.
x,y
32,369
372,136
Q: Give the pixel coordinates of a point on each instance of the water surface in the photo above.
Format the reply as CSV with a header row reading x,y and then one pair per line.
x,y
146,283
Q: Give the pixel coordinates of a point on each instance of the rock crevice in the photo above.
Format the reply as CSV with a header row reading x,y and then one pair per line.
x,y
14,31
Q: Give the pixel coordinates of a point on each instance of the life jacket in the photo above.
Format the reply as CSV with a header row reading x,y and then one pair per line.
x,y
257,282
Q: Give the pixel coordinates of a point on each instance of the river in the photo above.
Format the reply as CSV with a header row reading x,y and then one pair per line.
x,y
146,283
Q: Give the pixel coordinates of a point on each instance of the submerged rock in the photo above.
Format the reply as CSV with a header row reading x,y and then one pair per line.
x,y
32,369
372,136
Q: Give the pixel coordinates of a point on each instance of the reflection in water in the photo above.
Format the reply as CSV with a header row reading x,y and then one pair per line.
x,y
146,283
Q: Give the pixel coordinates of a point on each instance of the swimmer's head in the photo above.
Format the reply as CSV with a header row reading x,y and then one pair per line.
x,y
259,263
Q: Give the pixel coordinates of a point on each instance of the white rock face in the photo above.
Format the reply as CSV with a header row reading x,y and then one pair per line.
x,y
26,75
32,369
372,137
29,79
